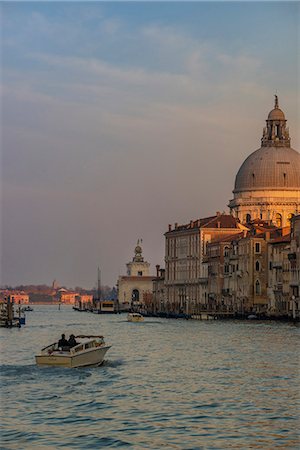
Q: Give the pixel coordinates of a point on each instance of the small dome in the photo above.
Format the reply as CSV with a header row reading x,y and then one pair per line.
x,y
276,114
138,249
269,168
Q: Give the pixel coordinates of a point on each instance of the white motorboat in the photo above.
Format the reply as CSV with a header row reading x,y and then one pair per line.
x,y
135,317
89,351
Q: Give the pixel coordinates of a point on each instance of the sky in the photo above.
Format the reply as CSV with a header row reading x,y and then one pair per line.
x,y
119,118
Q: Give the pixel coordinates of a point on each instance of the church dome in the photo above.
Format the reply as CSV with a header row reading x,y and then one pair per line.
x,y
275,165
269,168
276,114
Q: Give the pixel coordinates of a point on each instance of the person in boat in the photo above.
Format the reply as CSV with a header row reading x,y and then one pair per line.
x,y
72,341
63,342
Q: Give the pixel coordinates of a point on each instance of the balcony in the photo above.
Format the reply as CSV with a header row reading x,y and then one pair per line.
x,y
203,280
276,265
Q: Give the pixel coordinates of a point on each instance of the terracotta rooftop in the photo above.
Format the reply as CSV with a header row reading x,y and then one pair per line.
x,y
282,239
217,221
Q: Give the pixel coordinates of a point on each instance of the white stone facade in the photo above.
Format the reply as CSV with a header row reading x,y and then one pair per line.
x,y
134,287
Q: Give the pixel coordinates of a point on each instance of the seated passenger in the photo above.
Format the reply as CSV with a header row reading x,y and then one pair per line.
x,y
72,341
63,342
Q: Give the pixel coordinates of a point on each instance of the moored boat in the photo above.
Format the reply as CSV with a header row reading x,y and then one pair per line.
x,y
135,317
89,351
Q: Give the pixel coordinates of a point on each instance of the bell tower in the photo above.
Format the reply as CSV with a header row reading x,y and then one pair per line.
x,y
276,133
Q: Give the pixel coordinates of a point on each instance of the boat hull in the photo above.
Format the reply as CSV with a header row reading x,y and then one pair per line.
x,y
135,319
94,357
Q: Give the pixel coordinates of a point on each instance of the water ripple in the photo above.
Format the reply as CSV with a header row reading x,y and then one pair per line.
x,y
166,384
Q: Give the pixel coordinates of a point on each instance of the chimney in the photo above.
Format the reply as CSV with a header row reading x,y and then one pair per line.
x,y
157,270
176,225
268,234
218,213
191,224
170,227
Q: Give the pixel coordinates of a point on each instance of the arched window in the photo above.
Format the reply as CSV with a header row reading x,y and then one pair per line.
x,y
248,218
226,251
135,295
257,266
278,219
289,217
257,287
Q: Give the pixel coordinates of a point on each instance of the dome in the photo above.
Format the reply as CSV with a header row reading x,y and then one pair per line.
x,y
269,168
276,114
138,249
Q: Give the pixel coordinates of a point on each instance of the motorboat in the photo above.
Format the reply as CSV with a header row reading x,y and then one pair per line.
x,y
89,351
135,317
27,308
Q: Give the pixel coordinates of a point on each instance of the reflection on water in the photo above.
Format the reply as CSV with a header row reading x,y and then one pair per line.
x,y
165,384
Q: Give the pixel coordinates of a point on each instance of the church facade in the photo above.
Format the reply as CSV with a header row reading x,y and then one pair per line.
x,y
135,288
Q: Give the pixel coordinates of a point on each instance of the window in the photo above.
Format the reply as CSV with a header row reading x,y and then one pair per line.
x,y
257,247
278,220
135,295
257,266
248,218
140,273
226,251
257,287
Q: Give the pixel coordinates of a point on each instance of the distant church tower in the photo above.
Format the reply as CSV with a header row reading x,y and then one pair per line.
x,y
138,267
135,287
267,186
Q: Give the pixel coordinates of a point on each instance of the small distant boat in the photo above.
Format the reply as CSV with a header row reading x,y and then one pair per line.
x,y
89,351
27,308
135,317
252,317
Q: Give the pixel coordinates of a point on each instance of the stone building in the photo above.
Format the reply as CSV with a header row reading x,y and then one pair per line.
x,y
294,259
249,272
222,266
279,275
65,296
158,298
135,287
186,277
267,185
18,297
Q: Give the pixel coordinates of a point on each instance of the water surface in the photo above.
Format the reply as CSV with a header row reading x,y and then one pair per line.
x,y
165,384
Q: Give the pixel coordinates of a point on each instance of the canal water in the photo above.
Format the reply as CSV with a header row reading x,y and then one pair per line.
x,y
165,384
